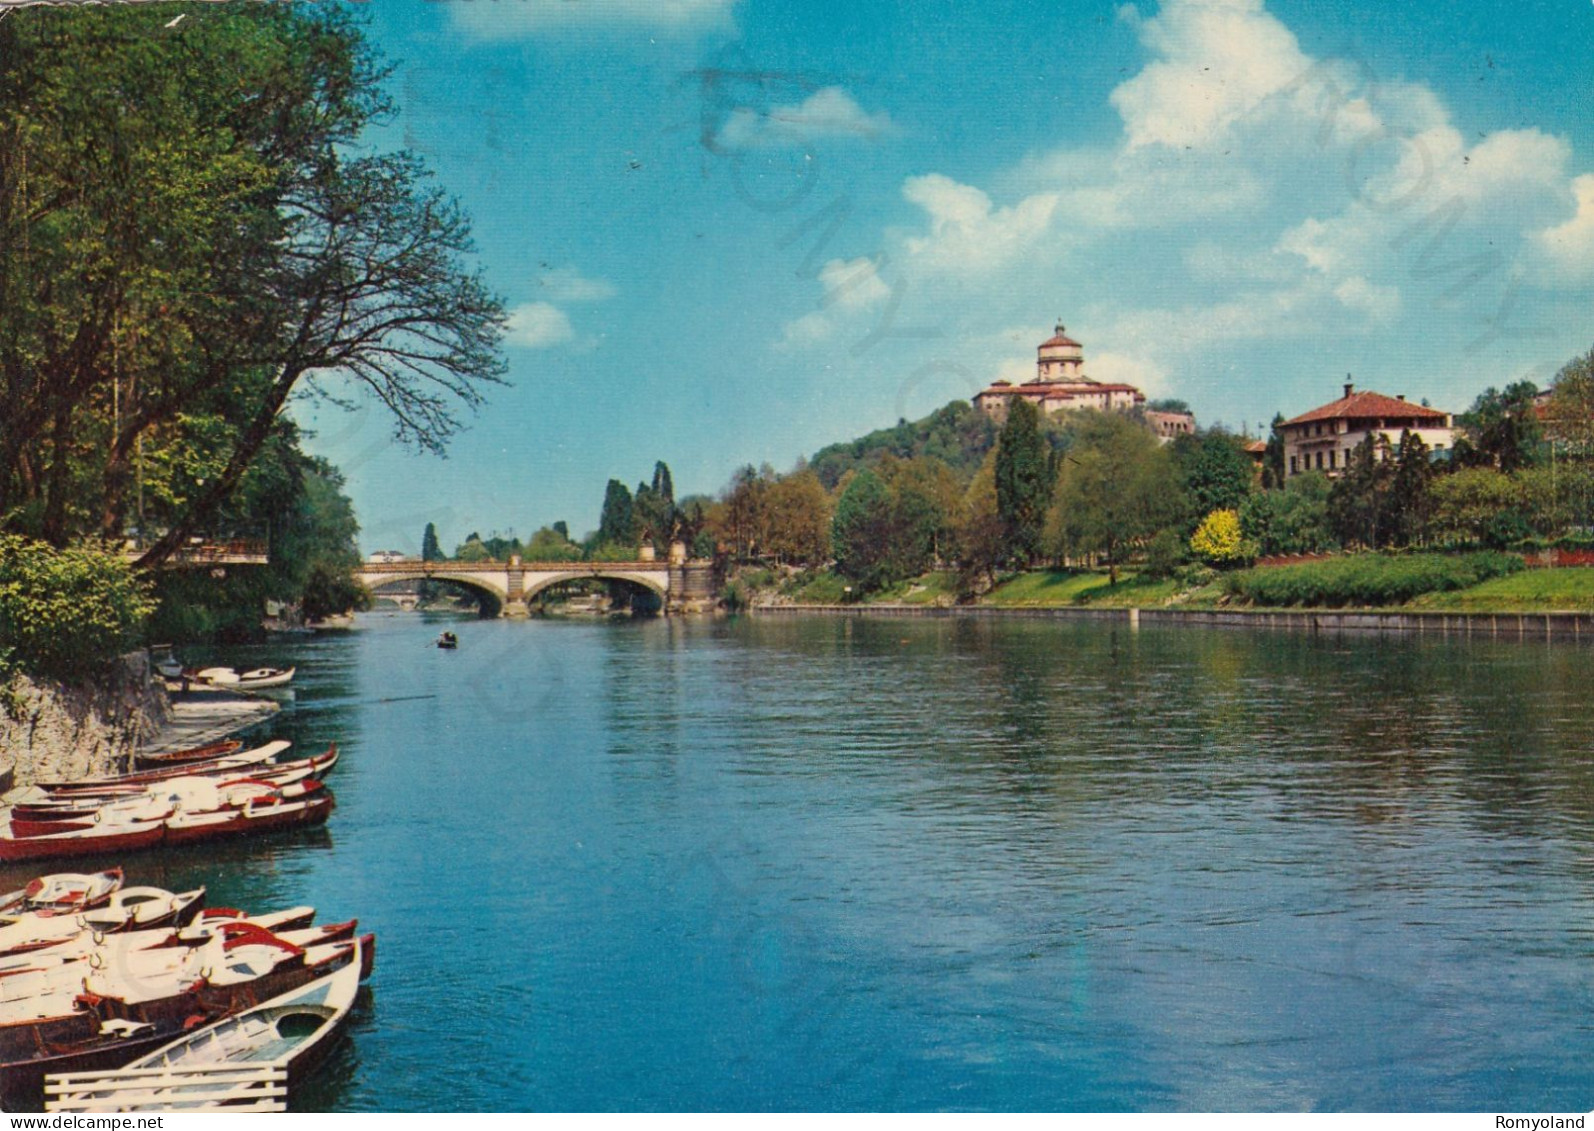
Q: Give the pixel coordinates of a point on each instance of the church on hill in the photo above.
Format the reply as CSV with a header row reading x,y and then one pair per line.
x,y
1060,385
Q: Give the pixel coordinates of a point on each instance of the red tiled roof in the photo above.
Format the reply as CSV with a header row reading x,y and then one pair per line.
x,y
1060,340
1257,446
1373,406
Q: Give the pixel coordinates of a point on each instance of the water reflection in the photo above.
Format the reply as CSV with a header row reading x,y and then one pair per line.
x,y
963,864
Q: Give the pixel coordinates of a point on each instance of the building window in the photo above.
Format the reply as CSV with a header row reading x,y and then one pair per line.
x,y
1294,469
1320,461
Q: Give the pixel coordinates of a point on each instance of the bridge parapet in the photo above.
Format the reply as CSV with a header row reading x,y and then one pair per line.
x,y
684,585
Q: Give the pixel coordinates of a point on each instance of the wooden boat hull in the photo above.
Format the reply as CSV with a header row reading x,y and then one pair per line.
x,y
79,842
193,754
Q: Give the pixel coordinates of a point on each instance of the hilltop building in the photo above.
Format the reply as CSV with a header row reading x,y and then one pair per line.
x,y
1060,385
1323,439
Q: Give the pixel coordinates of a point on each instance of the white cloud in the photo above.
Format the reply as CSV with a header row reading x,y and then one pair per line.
x,y
1217,61
568,284
1120,368
1380,303
968,236
538,326
853,284
827,113
510,20
1569,247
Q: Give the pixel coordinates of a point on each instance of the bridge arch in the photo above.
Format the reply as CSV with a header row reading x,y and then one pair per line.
x,y
536,583
375,581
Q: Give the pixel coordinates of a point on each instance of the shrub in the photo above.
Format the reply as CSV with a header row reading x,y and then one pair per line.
x,y
1367,579
64,613
1218,540
1164,553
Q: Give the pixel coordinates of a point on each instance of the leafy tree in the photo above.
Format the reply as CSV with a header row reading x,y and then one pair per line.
x,y
1480,506
858,530
957,434
880,536
1410,503
798,519
1358,509
616,522
193,229
1167,404
66,612
1570,415
1116,488
1218,539
1273,477
1290,521
1501,430
743,521
1023,480
552,544
980,535
929,489
1216,471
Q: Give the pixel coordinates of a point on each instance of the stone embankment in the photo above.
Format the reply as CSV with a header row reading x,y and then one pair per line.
x,y
51,731
1503,626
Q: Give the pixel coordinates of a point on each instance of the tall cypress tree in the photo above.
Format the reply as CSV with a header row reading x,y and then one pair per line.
x,y
615,524
1023,480
431,549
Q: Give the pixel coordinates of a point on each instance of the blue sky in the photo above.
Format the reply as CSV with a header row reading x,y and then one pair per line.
x,y
734,231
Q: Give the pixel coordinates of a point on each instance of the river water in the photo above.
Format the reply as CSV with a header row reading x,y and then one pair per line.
x,y
814,863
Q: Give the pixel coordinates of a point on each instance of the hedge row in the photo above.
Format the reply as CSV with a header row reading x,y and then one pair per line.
x,y
1367,579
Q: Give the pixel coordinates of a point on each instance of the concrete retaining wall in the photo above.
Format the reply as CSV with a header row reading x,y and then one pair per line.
x,y
1512,626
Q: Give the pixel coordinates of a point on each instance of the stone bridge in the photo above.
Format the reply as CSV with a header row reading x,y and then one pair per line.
x,y
682,585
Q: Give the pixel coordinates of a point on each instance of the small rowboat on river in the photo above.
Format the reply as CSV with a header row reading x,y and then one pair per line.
x,y
194,754
296,1029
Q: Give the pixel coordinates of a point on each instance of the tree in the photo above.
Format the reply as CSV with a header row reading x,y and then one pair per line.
x,y
1216,470
1116,487
858,532
1290,521
616,523
193,228
1569,418
1273,477
66,612
799,519
1479,505
1357,506
1410,505
1023,480
431,549
552,544
1502,429
881,536
1218,538
980,534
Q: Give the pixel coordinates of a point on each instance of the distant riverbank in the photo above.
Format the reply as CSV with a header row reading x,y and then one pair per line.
x,y
1541,626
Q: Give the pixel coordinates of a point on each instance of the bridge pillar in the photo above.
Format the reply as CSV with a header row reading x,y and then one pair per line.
x,y
515,590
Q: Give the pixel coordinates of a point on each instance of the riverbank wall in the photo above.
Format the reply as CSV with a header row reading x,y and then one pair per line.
x,y
1504,626
54,731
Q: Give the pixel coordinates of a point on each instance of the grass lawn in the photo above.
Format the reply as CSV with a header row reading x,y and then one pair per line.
x,y
1532,590
1051,588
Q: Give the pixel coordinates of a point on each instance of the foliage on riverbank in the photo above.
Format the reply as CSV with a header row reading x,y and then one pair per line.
x,y
66,613
1482,582
1367,580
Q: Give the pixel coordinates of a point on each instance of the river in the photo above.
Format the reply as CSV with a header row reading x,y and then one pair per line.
x,y
815,863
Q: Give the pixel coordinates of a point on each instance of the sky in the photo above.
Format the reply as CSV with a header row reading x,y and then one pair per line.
x,y
735,231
